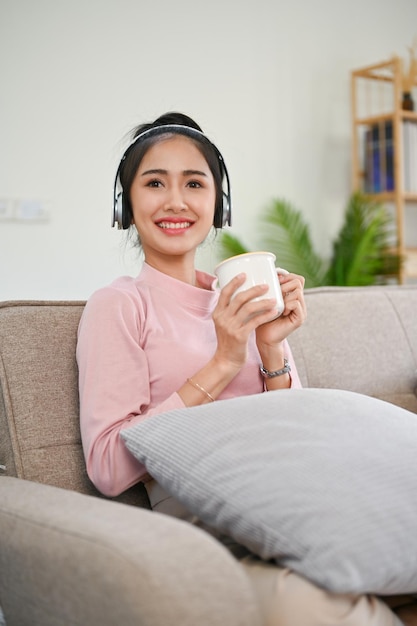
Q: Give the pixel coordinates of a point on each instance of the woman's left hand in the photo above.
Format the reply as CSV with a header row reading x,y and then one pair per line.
x,y
294,314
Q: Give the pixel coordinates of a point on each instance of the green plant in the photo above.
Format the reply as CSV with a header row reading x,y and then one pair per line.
x,y
362,253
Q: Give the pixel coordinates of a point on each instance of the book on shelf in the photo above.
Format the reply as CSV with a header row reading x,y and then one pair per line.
x,y
379,157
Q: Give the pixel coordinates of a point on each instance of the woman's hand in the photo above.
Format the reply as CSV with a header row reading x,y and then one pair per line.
x,y
270,336
274,332
236,316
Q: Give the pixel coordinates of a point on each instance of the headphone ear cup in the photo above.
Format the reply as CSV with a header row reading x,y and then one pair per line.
x,y
126,213
118,211
222,212
122,216
225,211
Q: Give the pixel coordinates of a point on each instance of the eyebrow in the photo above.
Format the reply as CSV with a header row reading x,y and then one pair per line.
x,y
165,172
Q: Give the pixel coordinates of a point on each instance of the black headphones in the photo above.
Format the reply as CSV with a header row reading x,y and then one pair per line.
x,y
122,212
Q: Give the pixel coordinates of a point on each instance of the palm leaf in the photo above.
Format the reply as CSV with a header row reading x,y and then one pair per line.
x,y
288,236
229,245
361,252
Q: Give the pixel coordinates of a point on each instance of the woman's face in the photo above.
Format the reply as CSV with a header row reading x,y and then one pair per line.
x,y
173,198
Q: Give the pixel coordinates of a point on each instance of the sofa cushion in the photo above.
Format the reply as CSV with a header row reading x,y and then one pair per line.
x,y
69,559
322,481
39,407
367,338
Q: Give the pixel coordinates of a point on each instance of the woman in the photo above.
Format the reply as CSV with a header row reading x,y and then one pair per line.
x,y
168,339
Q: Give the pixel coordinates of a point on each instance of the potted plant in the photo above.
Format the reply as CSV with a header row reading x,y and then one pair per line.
x,y
362,253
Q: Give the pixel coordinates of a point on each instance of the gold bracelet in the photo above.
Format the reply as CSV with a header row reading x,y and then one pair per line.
x,y
200,388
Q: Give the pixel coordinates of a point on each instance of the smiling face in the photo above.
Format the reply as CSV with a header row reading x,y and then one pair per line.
x,y
173,199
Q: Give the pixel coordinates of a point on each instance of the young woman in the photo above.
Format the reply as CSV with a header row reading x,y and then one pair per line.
x,y
168,339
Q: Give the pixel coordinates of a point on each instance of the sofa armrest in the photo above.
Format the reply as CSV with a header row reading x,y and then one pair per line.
x,y
69,558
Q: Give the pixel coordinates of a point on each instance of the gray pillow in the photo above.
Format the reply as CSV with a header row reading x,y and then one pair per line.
x,y
322,481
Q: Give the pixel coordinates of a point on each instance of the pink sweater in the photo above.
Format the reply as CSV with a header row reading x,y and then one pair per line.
x,y
139,339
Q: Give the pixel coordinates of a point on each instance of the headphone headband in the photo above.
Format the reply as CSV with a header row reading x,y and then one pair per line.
x,y
121,213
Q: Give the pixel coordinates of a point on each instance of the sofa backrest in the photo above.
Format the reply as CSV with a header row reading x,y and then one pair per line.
x,y
39,408
359,339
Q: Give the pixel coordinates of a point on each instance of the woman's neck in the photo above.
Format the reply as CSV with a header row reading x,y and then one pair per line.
x,y
180,268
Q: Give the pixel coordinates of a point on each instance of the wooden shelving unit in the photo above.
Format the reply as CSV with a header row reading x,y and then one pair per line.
x,y
377,95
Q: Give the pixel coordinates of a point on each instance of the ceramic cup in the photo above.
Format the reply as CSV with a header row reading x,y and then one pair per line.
x,y
259,268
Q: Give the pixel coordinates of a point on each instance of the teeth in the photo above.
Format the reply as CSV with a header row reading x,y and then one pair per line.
x,y
174,224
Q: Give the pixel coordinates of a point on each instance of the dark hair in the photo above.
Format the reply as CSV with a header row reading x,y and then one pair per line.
x,y
134,155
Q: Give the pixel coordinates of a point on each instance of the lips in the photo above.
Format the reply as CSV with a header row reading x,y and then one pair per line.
x,y
165,224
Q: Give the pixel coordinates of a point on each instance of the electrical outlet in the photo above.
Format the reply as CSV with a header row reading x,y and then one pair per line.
x,y
6,209
30,211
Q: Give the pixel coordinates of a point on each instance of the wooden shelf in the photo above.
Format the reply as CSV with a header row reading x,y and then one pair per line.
x,y
389,196
385,117
377,94
411,262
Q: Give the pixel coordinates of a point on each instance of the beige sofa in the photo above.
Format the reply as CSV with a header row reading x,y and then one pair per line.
x,y
69,557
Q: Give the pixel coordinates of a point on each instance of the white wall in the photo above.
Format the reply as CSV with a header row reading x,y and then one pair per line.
x,y
268,81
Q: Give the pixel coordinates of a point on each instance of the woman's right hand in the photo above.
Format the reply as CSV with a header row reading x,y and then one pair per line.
x,y
236,316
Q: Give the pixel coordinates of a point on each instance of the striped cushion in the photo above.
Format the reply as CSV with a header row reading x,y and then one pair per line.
x,y
322,481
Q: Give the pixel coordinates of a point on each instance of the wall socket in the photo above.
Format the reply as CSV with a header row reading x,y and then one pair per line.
x,y
23,210
6,209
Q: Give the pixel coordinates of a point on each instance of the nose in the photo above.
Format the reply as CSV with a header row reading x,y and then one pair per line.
x,y
175,201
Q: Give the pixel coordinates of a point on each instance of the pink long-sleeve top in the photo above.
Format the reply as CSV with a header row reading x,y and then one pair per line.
x,y
139,339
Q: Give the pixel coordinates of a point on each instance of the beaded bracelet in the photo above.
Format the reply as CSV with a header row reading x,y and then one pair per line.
x,y
200,388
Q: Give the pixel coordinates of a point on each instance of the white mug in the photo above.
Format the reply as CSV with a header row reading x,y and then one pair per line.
x,y
259,268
